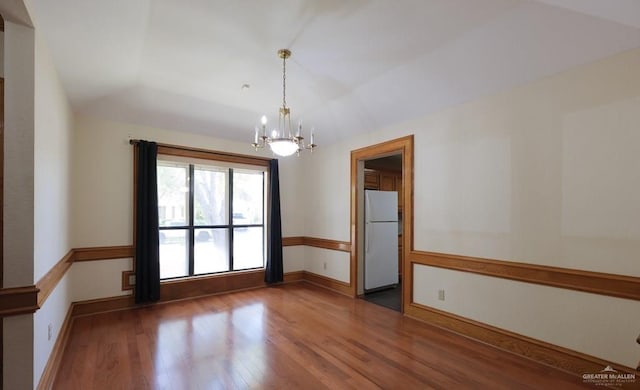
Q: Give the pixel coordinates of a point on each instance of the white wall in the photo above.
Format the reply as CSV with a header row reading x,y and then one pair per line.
x,y
593,324
52,313
53,131
329,263
546,173
98,279
293,258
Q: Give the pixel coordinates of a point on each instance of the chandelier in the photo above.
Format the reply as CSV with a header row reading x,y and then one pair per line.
x,y
283,140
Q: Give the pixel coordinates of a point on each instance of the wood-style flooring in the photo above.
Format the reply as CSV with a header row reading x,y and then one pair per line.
x,y
295,336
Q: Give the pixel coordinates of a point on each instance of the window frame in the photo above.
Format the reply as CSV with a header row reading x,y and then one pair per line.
x,y
190,156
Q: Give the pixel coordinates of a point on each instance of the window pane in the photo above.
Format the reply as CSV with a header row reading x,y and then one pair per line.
x,y
211,250
210,196
174,258
248,197
173,193
248,248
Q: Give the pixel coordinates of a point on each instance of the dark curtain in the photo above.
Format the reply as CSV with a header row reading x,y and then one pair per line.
x,y
147,262
274,270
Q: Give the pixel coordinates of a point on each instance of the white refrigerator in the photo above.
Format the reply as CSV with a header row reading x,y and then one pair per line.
x,y
381,239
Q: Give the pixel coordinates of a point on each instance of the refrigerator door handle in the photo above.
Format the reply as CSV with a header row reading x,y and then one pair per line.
x,y
366,238
367,213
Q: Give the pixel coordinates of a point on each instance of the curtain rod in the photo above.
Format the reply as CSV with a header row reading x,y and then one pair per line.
x,y
188,148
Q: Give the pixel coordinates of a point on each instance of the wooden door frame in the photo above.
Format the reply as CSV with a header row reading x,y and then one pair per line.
x,y
1,217
403,146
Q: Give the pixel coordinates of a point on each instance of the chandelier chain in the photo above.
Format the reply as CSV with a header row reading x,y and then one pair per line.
x,y
284,82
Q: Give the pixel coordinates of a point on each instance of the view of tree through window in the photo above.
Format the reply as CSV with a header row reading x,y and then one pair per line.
x,y
211,218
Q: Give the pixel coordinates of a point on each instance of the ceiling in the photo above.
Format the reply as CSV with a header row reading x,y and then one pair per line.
x,y
357,65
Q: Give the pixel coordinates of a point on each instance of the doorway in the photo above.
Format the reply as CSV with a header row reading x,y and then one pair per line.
x,y
383,257
389,166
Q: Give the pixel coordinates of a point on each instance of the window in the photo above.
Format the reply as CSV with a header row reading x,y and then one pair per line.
x,y
211,216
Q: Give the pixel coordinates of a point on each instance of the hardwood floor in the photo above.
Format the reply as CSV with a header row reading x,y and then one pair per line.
x,y
295,336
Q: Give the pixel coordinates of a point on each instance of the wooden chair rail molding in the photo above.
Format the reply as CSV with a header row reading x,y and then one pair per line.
x,y
18,300
15,301
103,253
619,286
342,246
48,283
28,299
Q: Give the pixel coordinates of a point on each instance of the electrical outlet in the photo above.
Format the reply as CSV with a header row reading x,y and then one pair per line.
x,y
132,280
324,265
441,295
49,331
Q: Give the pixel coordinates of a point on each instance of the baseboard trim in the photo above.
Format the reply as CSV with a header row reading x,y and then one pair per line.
x,y
573,362
294,276
209,285
328,283
185,289
102,305
55,358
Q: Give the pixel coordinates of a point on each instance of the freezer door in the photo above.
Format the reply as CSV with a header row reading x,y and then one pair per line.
x,y
381,206
381,254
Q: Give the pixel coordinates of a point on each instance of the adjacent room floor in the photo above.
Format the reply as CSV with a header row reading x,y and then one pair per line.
x,y
294,336
390,298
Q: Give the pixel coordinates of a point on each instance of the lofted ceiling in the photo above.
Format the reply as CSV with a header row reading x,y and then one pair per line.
x,y
357,65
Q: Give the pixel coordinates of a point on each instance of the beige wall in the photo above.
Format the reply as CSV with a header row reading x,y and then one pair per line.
x,y
2,54
328,215
37,181
18,154
18,198
103,195
52,164
545,174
